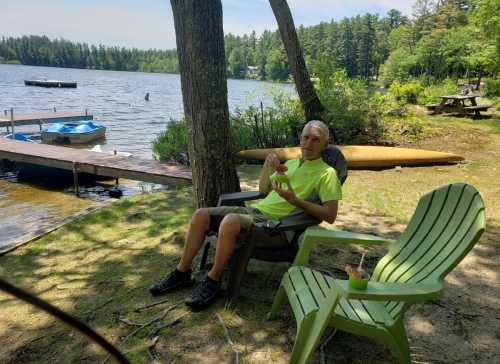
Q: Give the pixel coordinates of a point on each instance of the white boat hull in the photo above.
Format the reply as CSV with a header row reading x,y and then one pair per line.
x,y
73,138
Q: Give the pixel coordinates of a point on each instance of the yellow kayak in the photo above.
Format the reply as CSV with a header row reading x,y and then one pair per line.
x,y
365,156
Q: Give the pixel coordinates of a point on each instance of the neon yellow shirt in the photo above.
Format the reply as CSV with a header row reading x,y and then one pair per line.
x,y
314,178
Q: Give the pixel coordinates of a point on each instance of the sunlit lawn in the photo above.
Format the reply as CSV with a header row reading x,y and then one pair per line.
x,y
99,269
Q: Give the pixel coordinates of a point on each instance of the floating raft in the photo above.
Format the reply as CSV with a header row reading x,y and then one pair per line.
x,y
361,156
50,83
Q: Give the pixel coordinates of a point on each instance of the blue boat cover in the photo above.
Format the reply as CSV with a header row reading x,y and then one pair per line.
x,y
78,127
19,136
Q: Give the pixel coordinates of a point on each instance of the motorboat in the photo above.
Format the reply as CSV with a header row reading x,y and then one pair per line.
x,y
79,132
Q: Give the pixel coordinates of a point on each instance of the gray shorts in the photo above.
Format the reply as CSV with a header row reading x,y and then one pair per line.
x,y
249,217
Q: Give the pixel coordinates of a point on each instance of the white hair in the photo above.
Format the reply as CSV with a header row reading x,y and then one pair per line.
x,y
320,125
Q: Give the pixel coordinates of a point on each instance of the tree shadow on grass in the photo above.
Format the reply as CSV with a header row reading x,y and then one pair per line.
x,y
99,269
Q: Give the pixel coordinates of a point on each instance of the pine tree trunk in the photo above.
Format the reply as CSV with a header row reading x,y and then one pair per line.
x,y
308,97
202,63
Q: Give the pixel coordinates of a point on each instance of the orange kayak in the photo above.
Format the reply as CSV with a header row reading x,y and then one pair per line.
x,y
365,156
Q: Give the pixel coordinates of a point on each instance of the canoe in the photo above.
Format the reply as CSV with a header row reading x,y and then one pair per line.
x,y
365,156
50,83
79,132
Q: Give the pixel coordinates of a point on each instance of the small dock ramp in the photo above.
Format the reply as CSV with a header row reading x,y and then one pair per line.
x,y
102,164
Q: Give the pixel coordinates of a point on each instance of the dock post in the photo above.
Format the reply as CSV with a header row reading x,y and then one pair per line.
x,y
12,121
75,179
116,179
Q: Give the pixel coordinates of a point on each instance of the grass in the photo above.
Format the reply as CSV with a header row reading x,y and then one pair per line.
x,y
99,268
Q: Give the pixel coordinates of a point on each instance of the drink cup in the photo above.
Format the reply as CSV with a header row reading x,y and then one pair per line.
x,y
359,282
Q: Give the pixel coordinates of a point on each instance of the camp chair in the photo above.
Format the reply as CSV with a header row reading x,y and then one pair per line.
x,y
445,226
253,246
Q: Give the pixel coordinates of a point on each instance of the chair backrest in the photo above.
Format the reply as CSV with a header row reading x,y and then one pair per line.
x,y
445,226
333,156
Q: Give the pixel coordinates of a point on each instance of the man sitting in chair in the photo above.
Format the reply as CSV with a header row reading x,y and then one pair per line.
x,y
306,175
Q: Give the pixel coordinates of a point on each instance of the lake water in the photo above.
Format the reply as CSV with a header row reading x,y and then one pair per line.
x,y
116,99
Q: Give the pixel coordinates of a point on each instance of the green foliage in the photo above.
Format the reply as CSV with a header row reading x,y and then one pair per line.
x,y
171,144
445,39
264,127
277,66
406,92
432,93
270,127
351,112
492,88
398,67
10,61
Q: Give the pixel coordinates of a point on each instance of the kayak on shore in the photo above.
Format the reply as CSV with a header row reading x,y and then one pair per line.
x,y
365,156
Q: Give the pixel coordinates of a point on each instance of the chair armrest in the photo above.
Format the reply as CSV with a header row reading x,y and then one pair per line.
x,y
296,223
316,234
387,291
235,198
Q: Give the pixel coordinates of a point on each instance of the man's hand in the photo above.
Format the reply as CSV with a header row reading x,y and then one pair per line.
x,y
272,161
288,194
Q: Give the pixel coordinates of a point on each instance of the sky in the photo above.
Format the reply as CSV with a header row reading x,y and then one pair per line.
x,y
148,24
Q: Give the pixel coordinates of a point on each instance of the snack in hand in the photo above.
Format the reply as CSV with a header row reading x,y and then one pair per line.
x,y
281,169
280,176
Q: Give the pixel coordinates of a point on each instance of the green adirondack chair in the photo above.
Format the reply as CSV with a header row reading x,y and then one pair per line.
x,y
445,226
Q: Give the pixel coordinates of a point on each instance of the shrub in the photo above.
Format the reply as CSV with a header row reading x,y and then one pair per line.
x,y
264,127
492,88
171,144
432,94
351,112
270,127
406,92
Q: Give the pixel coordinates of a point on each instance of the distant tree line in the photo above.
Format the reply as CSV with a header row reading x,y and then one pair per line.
x,y
42,51
356,44
442,39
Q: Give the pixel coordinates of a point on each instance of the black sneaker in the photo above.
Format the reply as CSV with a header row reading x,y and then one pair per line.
x,y
173,281
203,294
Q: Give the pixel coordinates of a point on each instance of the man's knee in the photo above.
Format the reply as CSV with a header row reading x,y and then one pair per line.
x,y
230,224
201,218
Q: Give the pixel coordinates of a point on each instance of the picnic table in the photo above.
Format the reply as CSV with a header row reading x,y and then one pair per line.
x,y
461,104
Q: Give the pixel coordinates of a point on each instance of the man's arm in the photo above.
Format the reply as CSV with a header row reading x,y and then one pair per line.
x,y
268,168
326,212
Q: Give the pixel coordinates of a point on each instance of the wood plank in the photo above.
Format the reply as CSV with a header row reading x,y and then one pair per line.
x,y
43,117
102,164
477,107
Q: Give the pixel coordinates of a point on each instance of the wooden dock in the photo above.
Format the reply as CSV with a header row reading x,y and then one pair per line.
x,y
9,117
102,164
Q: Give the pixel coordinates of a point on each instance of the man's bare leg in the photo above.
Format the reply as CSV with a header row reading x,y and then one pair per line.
x,y
226,243
195,237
